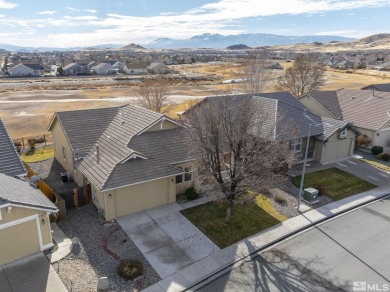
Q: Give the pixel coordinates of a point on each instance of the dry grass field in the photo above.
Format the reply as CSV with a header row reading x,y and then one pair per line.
x,y
27,111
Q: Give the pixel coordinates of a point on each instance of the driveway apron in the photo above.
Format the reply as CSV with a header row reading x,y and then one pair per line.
x,y
166,238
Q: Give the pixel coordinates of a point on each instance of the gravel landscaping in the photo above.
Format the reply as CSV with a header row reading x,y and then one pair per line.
x,y
97,250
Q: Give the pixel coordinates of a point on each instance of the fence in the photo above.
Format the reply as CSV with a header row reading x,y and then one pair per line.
x,y
49,193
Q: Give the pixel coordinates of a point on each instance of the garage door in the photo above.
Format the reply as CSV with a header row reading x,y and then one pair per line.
x,y
384,138
18,241
335,150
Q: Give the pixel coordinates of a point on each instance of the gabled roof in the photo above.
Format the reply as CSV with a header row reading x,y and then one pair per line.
x,y
104,168
136,66
35,67
19,192
362,108
10,162
155,65
103,65
329,100
282,107
378,87
330,126
83,128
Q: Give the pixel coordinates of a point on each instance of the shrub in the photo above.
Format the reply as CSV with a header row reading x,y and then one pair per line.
x,y
191,194
320,189
383,156
279,198
376,150
129,269
31,142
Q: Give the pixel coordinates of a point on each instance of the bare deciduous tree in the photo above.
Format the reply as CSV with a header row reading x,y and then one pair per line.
x,y
306,74
153,96
233,141
256,74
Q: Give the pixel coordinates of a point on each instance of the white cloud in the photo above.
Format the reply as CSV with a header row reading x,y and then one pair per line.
x,y
72,9
7,5
47,12
91,10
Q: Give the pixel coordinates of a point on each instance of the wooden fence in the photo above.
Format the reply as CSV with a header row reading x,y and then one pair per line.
x,y
48,191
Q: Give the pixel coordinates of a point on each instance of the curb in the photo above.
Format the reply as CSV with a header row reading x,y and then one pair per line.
x,y
225,269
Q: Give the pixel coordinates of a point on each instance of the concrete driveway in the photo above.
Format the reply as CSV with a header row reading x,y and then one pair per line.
x,y
33,274
166,238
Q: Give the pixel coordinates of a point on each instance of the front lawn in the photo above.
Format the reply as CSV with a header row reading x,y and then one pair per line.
x,y
336,184
38,154
247,219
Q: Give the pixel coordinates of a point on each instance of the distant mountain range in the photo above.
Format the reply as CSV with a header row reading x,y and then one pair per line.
x,y
207,40
252,40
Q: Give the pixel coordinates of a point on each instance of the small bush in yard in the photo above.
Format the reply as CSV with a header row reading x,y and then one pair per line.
x,y
191,194
320,189
129,269
376,150
383,156
279,198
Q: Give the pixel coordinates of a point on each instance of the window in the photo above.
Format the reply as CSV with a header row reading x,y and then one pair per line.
x,y
64,153
187,176
295,144
179,179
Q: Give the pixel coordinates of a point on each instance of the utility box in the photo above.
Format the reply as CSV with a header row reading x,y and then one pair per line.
x,y
310,196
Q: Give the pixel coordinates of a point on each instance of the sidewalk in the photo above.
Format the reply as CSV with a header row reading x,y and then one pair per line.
x,y
224,258
64,244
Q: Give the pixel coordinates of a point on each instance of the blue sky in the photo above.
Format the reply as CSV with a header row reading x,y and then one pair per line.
x,y
64,23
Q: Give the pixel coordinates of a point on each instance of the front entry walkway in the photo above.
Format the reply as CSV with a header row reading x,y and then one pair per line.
x,y
33,273
166,238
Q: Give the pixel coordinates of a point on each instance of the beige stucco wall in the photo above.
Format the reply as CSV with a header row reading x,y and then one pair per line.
x,y
315,107
166,125
22,239
335,148
67,163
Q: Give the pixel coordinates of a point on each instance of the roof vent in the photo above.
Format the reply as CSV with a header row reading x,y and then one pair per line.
x,y
122,122
97,153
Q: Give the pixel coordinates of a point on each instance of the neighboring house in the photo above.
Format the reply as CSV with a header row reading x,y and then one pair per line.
x,y
345,65
76,69
24,210
367,111
135,69
104,69
158,68
378,87
132,159
383,67
53,70
10,163
275,66
24,219
26,70
330,139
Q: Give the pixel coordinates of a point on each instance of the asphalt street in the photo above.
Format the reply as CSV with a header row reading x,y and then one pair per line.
x,y
332,256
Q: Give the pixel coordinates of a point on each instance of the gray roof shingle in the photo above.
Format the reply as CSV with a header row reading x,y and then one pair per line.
x,y
20,192
378,87
10,162
330,126
329,100
84,127
35,67
114,145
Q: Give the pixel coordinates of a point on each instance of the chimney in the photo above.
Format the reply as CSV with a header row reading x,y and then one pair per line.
x,y
97,154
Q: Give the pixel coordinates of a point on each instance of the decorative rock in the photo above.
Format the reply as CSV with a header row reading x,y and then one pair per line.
x,y
103,284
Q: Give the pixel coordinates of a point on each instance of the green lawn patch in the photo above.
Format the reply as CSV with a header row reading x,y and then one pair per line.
x,y
37,155
337,184
247,219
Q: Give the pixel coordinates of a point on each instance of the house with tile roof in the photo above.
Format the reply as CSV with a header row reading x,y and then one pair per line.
x,y
10,163
76,69
368,111
26,70
132,159
24,209
378,87
330,139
